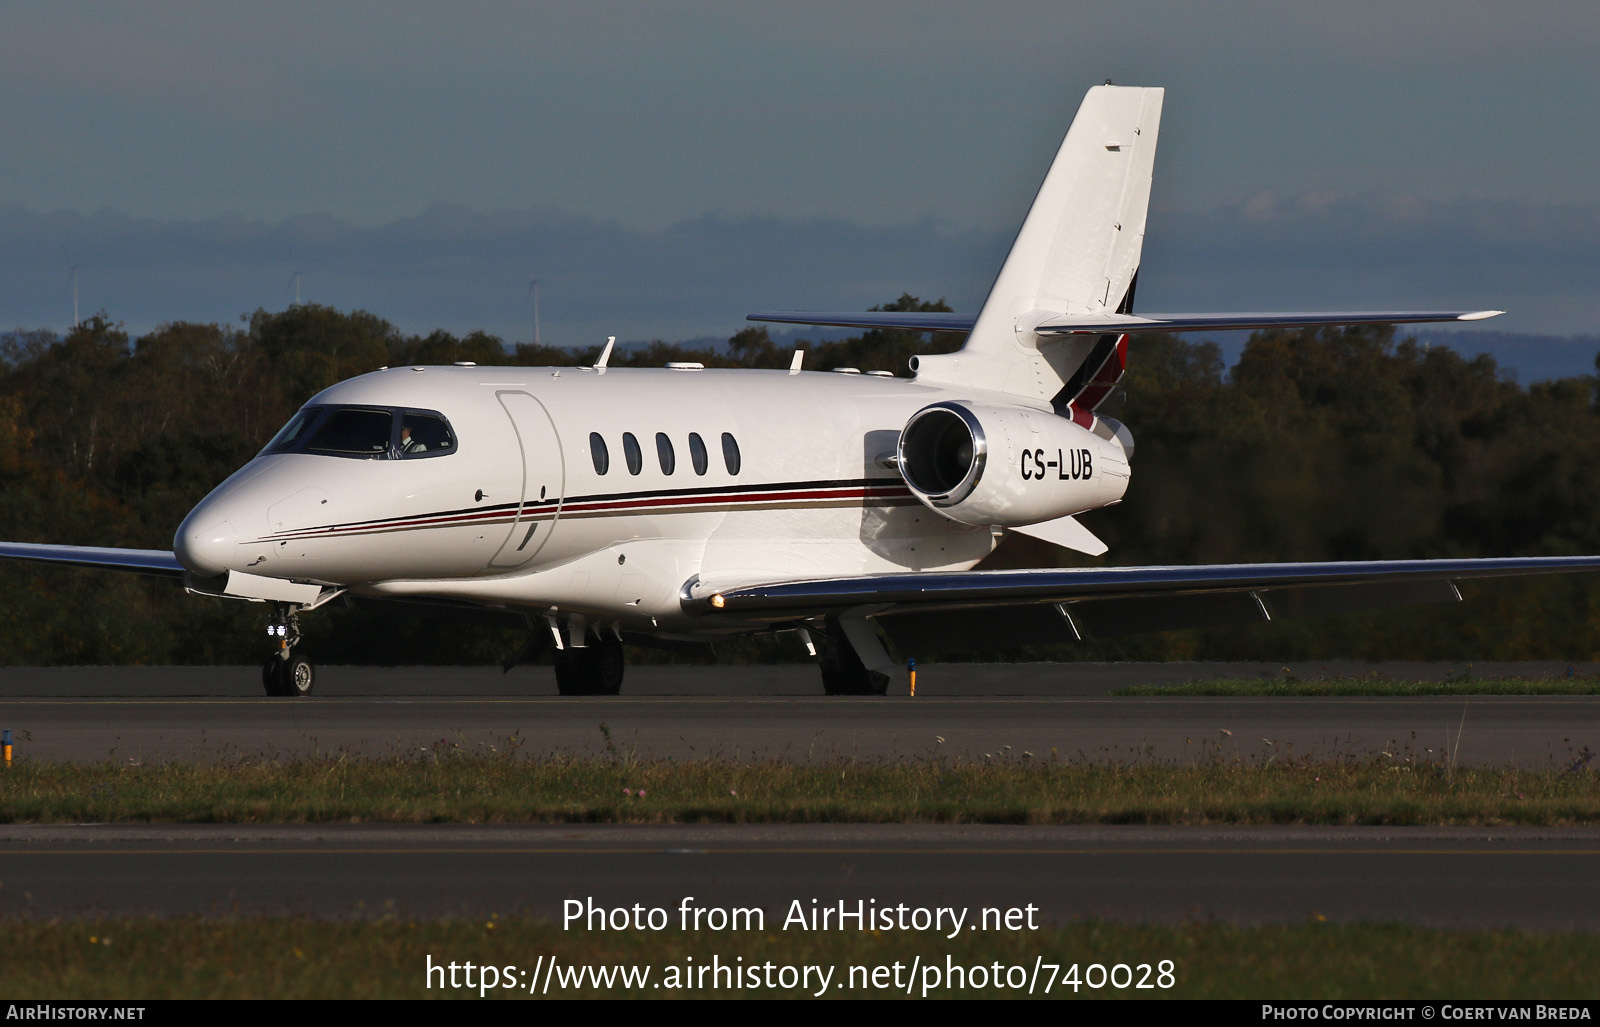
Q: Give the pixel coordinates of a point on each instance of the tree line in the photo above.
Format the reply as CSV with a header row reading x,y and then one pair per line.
x,y
1317,444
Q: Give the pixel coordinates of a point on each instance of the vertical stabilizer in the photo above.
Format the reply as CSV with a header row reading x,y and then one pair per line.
x,y
1077,253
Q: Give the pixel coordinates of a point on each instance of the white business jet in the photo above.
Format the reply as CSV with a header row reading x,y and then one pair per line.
x,y
682,504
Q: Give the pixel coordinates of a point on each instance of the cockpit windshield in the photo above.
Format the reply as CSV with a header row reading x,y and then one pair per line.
x,y
365,433
353,433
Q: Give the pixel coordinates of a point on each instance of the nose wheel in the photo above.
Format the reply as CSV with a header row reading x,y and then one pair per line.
x,y
284,672
289,677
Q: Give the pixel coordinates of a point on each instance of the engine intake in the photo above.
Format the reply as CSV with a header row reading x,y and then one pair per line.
x,y
1008,466
942,453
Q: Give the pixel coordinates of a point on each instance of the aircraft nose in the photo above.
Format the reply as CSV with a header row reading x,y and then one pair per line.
x,y
207,551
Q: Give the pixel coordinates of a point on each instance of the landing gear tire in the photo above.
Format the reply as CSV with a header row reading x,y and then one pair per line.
x,y
272,676
596,669
298,676
292,677
843,673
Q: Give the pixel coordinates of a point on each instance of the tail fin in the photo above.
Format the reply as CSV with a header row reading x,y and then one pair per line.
x,y
1077,253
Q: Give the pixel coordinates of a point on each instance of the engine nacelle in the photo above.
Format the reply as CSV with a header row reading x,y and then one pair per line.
x,y
994,465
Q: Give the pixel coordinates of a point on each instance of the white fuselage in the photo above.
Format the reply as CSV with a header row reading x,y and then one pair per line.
x,y
519,512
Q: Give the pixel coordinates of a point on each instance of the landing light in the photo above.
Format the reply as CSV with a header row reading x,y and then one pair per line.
x,y
717,602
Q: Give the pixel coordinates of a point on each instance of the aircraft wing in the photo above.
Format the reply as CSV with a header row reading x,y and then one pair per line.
x,y
1097,324
141,561
933,613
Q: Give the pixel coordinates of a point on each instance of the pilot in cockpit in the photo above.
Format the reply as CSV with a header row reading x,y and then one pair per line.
x,y
409,444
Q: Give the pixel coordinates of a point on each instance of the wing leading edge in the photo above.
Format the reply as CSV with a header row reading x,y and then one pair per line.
x,y
141,561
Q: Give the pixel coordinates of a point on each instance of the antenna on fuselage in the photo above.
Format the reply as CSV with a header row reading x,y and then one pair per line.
x,y
799,358
605,354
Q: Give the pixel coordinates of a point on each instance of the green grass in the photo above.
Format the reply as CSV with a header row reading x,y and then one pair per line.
x,y
1289,685
1219,786
148,958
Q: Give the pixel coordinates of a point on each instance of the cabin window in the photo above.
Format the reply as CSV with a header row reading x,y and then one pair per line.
x,y
632,453
697,453
425,435
601,455
730,453
363,433
669,459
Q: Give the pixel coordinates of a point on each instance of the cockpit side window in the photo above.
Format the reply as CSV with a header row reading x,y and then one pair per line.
x,y
360,433
291,435
425,435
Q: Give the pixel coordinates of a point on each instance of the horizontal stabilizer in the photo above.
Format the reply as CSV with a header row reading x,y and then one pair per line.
x,y
1098,324
910,320
1067,533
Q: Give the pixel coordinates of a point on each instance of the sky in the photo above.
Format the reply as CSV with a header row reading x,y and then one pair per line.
x,y
664,168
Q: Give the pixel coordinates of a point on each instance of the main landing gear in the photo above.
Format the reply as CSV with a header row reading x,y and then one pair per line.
x,y
591,669
843,672
283,672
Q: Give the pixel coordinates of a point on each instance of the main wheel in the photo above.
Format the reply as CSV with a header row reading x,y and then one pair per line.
x,y
570,676
843,673
607,664
596,669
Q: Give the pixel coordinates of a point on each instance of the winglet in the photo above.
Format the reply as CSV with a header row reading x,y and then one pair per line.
x,y
605,354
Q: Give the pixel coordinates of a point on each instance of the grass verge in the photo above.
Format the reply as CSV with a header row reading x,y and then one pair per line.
x,y
1289,685
300,958
1219,787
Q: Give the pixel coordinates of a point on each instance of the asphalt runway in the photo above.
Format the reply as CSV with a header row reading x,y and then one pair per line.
x,y
1532,879
961,711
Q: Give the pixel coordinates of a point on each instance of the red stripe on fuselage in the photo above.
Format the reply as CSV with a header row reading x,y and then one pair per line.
x,y
580,507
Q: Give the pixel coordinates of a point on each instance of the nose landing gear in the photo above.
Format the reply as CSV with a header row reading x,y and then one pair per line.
x,y
283,672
